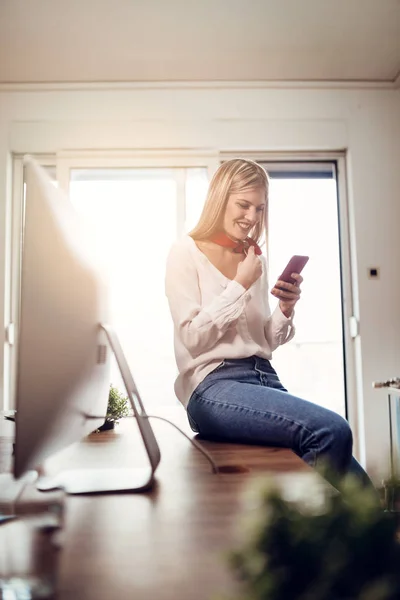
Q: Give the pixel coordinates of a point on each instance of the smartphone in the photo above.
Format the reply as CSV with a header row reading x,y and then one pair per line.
x,y
295,265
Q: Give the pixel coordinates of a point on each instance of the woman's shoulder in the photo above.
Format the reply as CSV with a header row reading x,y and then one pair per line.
x,y
184,241
182,245
182,250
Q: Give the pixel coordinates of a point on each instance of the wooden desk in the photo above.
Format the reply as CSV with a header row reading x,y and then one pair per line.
x,y
169,543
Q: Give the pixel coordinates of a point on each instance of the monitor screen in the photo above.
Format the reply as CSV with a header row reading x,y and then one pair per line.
x,y
63,357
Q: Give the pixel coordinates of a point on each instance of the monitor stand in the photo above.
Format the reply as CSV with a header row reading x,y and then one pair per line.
x,y
86,481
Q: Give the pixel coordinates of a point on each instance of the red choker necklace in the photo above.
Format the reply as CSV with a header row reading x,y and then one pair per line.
x,y
224,240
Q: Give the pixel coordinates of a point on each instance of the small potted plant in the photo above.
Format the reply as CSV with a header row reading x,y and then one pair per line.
x,y
118,407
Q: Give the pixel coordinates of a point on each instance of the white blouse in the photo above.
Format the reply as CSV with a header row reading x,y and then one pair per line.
x,y
216,318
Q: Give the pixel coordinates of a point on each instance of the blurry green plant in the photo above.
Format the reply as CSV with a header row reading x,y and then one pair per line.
x,y
346,548
118,405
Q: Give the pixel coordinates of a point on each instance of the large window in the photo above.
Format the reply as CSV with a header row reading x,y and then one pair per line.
x,y
137,213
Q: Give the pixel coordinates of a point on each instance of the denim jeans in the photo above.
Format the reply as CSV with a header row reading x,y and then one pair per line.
x,y
242,400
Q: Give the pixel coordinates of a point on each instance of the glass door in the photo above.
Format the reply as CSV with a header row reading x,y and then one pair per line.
x,y
304,219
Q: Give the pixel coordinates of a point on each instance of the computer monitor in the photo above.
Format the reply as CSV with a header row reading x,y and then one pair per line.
x,y
64,344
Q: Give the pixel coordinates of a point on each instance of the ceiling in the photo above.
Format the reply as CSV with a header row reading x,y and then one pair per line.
x,y
204,40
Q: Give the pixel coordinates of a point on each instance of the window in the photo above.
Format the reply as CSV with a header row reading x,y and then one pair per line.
x,y
137,215
303,219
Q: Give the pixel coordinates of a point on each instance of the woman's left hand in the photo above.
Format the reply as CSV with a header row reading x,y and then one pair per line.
x,y
288,294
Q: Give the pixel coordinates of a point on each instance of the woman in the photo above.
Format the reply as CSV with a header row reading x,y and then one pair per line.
x,y
225,334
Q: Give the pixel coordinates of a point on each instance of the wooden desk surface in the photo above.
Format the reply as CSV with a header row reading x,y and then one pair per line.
x,y
168,543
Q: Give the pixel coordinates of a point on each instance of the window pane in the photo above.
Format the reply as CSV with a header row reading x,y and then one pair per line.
x,y
134,212
303,219
196,186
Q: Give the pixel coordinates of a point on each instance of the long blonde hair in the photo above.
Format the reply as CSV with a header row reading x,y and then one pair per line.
x,y
233,176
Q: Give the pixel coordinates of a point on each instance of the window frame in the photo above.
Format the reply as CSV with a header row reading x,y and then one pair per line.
x,y
13,283
65,161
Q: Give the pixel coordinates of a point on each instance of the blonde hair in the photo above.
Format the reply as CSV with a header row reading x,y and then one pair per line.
x,y
233,176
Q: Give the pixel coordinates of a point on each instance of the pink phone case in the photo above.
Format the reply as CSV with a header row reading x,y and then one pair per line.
x,y
295,265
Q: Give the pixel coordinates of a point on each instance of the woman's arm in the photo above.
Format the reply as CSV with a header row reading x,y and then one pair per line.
x,y
198,327
278,328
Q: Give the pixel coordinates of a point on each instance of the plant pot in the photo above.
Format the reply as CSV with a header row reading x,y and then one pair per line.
x,y
106,426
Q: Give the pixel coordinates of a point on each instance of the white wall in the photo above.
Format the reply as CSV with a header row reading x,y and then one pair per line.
x,y
365,122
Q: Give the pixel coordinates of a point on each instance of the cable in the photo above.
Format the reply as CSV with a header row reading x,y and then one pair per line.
x,y
192,441
213,464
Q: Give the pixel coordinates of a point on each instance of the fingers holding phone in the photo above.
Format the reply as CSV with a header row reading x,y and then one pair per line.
x,y
287,288
288,291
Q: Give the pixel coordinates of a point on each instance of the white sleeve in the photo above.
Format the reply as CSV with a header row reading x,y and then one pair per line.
x,y
279,329
198,327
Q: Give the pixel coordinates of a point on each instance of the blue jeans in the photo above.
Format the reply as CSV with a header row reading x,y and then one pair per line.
x,y
242,400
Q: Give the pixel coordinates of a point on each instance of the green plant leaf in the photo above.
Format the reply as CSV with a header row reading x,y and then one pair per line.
x,y
346,550
118,405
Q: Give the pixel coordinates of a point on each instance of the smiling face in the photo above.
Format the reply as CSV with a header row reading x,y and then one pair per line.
x,y
243,211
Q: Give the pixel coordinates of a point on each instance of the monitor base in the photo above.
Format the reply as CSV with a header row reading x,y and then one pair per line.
x,y
88,481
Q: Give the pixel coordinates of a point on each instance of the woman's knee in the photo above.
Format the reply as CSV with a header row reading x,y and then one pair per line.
x,y
342,431
337,443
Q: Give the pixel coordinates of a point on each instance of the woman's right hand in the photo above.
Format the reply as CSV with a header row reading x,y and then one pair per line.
x,y
249,270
